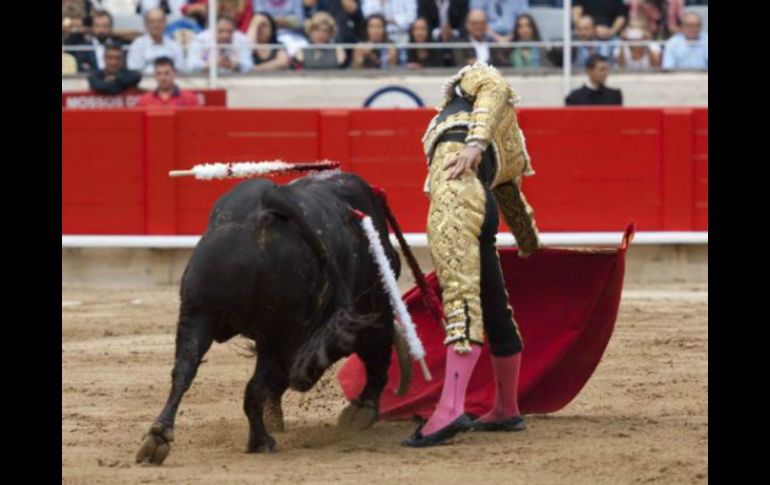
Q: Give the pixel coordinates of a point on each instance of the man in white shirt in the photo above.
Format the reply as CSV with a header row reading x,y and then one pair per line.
x,y
399,15
680,54
476,28
234,50
152,45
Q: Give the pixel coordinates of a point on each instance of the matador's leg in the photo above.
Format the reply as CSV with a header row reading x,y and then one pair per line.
x,y
455,220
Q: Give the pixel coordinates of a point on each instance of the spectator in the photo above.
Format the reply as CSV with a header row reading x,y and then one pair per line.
x,y
364,55
585,31
478,35
679,54
609,15
661,17
72,25
347,15
114,78
167,93
76,34
169,7
321,30
264,31
289,16
419,58
501,15
234,49
154,44
241,11
398,15
101,35
637,58
445,18
595,92
76,8
526,30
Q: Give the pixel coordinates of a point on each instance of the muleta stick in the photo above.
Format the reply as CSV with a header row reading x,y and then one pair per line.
x,y
268,168
405,324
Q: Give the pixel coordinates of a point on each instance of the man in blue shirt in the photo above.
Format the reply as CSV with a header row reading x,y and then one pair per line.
x,y
680,54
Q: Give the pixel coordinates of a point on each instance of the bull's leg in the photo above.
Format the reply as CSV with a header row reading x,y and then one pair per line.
x,y
273,415
257,391
193,339
374,348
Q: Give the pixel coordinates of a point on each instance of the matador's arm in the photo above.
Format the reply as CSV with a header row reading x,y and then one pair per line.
x,y
492,96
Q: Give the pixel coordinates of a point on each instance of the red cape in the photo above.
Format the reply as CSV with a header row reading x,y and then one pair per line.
x,y
565,301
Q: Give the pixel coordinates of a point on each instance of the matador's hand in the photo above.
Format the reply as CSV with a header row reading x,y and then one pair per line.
x,y
466,161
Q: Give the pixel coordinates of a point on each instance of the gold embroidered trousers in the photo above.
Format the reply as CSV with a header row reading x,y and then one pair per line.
x,y
462,223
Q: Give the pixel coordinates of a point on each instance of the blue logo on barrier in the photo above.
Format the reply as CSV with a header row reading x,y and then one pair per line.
x,y
394,97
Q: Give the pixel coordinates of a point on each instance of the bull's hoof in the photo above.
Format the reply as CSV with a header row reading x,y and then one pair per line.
x,y
156,445
264,445
358,415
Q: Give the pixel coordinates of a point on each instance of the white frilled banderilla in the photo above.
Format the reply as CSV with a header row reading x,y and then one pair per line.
x,y
405,325
220,170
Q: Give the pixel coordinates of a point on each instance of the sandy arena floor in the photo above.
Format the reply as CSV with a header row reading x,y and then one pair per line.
x,y
642,418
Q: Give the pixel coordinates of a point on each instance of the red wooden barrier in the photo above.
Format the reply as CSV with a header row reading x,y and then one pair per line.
x,y
597,168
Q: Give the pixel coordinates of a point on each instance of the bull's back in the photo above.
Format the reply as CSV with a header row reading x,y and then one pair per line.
x,y
247,256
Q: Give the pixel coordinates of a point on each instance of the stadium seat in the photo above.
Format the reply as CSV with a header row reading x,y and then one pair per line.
x,y
549,21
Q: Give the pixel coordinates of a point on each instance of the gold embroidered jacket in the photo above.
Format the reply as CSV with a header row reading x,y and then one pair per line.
x,y
493,123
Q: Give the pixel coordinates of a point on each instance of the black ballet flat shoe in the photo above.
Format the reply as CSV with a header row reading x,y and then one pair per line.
x,y
515,423
417,440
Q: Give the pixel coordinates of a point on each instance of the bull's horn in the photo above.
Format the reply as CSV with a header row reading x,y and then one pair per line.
x,y
404,363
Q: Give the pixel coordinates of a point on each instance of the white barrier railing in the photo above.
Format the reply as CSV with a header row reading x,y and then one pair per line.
x,y
414,239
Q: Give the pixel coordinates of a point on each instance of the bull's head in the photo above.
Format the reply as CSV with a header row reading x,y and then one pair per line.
x,y
333,340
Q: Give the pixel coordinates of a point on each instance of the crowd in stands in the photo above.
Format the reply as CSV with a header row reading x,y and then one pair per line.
x,y
299,34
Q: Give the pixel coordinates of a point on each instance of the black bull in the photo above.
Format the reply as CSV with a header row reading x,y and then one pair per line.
x,y
288,267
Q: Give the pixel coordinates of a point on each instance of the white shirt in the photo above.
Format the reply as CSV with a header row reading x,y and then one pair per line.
x,y
641,64
443,12
99,53
144,51
482,50
402,12
198,53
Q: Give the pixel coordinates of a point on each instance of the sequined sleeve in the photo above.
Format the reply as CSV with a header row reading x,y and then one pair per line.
x,y
492,100
519,216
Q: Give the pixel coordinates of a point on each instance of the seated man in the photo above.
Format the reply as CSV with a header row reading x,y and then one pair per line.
x,y
167,92
154,44
234,49
595,91
585,31
482,49
114,78
680,54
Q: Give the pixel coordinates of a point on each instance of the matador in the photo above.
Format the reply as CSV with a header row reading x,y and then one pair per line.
x,y
477,157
